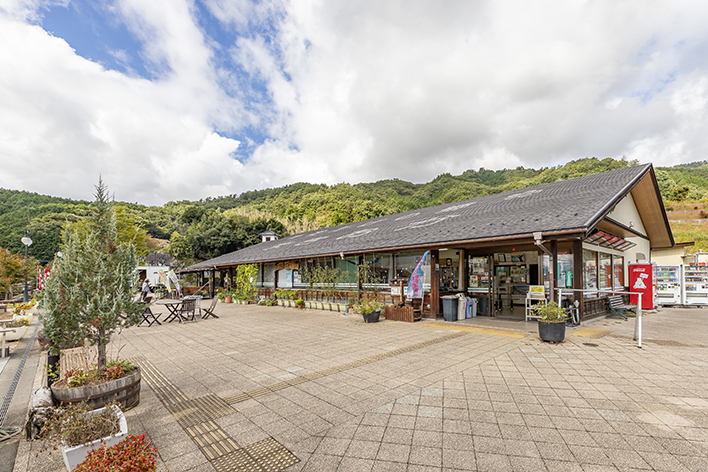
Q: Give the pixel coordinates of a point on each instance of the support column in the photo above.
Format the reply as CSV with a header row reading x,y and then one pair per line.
x,y
212,284
465,272
578,275
434,282
553,269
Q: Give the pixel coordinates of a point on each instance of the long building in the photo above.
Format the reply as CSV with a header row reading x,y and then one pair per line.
x,y
578,235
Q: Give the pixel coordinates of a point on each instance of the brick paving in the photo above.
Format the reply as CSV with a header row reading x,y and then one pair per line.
x,y
335,394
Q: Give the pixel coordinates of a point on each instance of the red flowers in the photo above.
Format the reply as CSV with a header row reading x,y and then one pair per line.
x,y
132,454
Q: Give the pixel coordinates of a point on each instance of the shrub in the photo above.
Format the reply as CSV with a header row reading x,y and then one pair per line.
x,y
72,426
132,454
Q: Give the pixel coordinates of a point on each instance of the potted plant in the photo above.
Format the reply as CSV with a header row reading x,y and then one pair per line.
x,y
133,453
369,309
90,293
19,325
78,429
551,322
299,303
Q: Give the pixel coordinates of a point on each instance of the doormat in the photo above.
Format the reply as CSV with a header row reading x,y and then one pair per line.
x,y
592,333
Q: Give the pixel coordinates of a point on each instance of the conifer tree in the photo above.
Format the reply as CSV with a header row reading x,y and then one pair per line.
x,y
90,292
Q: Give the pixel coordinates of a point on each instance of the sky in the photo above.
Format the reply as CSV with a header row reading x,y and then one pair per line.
x,y
171,100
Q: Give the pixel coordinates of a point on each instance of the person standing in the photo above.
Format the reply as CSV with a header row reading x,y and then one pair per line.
x,y
145,289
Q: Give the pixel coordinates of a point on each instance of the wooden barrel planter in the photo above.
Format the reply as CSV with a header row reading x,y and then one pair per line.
x,y
125,391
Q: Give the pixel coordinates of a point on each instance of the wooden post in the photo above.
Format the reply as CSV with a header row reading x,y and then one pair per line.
x,y
465,272
403,295
553,269
578,276
434,282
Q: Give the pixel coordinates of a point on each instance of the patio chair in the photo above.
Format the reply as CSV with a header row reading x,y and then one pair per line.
x,y
149,317
210,311
186,311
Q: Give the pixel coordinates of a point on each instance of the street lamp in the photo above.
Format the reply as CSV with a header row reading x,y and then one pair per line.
x,y
26,241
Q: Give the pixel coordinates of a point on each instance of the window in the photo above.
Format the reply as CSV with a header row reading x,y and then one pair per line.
x,y
618,272
605,271
589,270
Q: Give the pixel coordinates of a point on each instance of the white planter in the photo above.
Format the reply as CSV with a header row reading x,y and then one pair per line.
x,y
75,455
19,332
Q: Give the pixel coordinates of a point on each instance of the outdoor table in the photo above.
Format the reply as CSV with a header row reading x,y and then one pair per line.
x,y
174,307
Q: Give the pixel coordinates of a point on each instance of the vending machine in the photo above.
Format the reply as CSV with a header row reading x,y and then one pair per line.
x,y
642,279
695,284
668,284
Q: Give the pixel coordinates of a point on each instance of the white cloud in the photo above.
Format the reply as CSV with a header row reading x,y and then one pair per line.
x,y
355,91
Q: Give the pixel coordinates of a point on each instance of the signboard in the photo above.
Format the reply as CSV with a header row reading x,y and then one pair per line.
x,y
642,279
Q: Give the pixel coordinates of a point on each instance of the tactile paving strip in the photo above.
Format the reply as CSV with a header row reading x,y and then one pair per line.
x,y
211,440
334,370
202,409
165,390
592,333
476,329
264,456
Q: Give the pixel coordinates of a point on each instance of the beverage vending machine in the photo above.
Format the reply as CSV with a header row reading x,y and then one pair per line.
x,y
642,279
669,284
695,284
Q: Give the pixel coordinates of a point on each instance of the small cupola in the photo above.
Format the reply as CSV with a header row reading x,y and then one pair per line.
x,y
268,236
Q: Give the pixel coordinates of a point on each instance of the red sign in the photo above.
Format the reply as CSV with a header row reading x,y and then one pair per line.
x,y
642,280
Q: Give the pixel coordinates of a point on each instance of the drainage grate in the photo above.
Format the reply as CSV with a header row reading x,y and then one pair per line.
x,y
16,379
590,344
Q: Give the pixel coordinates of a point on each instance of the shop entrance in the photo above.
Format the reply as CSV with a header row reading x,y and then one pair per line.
x,y
513,273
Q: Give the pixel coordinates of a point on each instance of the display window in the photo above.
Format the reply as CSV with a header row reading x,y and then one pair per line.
x,y
589,270
618,272
605,271
478,269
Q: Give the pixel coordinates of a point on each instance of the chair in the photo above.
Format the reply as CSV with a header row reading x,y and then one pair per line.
x,y
149,317
210,311
535,295
186,310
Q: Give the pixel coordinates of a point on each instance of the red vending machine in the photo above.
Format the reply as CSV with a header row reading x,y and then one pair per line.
x,y
642,279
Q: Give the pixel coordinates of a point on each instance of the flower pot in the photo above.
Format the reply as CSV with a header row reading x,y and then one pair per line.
x,y
551,332
372,317
17,335
75,455
228,299
126,391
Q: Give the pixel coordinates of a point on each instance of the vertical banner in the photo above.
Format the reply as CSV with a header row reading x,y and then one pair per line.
x,y
164,279
175,280
415,284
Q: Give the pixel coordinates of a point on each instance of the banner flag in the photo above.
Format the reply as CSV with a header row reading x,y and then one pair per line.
x,y
415,285
164,279
174,279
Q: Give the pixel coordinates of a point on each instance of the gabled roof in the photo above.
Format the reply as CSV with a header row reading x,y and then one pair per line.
x,y
575,205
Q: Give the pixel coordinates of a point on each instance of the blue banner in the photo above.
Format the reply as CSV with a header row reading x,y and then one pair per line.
x,y
415,284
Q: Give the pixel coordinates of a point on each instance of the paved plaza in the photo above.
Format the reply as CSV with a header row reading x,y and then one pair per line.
x,y
270,389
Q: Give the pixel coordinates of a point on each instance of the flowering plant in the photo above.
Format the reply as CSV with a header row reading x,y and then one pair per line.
x,y
132,454
114,370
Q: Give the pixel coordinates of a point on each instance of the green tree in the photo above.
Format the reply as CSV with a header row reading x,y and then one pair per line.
x,y
90,292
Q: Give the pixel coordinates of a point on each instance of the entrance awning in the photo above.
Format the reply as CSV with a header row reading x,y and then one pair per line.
x,y
608,240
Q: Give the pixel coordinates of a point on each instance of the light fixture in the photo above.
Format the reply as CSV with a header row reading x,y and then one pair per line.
x,y
27,242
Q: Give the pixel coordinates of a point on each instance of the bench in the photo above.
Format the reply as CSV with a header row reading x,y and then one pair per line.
x,y
617,306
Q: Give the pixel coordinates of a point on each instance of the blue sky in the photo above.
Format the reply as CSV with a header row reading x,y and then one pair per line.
x,y
176,99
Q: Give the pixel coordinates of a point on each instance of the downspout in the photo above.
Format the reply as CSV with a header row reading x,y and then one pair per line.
x,y
538,240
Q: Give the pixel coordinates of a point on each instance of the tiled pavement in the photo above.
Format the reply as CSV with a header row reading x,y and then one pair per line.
x,y
332,393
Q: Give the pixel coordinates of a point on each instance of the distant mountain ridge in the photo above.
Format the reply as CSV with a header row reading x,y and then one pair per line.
x,y
206,228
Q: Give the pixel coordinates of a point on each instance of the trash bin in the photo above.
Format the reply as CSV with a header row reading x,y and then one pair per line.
x,y
461,307
483,305
449,307
471,311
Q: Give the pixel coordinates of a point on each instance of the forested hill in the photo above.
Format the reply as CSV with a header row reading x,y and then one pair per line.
x,y
214,226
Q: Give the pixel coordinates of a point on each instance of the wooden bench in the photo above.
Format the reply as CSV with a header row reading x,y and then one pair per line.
x,y
617,306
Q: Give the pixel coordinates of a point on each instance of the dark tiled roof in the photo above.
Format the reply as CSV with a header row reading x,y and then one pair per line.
x,y
575,204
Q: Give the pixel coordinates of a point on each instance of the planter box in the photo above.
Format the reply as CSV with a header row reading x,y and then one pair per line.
x,y
17,335
126,391
75,455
